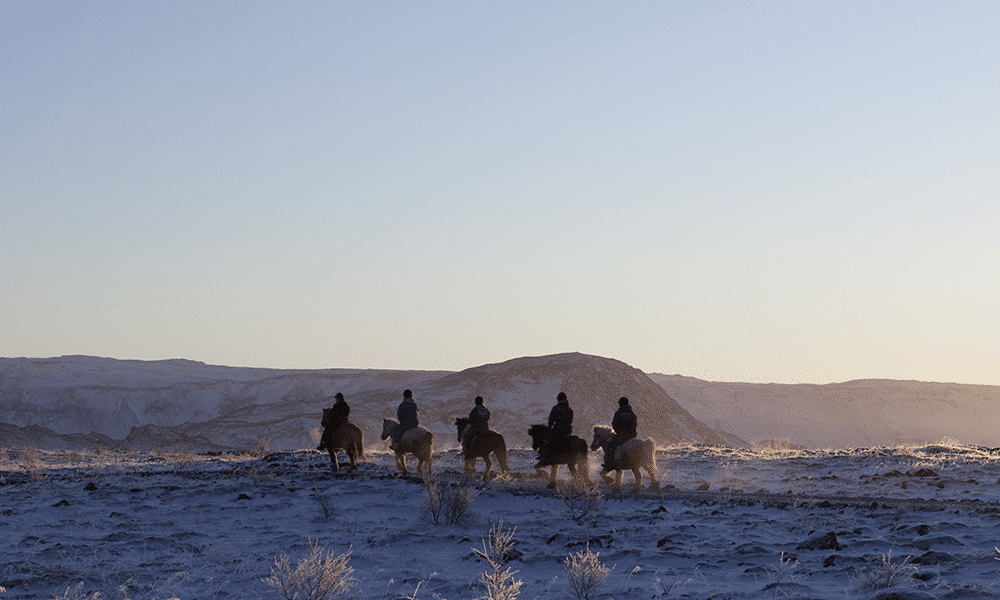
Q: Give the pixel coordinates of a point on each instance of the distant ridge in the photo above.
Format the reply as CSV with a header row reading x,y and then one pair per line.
x,y
68,401
174,403
859,413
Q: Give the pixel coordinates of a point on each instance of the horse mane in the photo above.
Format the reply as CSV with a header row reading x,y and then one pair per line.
x,y
461,420
602,429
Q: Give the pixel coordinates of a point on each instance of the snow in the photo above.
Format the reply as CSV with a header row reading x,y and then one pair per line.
x,y
773,522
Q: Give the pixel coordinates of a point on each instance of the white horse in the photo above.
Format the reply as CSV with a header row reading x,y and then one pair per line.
x,y
419,442
632,455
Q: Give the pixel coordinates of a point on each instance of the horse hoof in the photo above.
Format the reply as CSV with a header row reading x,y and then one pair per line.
x,y
607,479
654,486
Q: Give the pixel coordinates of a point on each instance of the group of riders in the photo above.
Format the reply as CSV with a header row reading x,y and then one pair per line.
x,y
560,424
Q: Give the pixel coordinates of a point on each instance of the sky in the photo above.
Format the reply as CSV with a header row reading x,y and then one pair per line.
x,y
792,192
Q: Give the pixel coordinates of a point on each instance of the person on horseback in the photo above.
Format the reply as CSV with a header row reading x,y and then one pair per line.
x,y
339,414
406,414
560,426
479,420
624,423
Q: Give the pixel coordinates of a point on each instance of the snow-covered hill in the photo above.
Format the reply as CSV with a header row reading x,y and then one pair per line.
x,y
854,414
73,401
84,402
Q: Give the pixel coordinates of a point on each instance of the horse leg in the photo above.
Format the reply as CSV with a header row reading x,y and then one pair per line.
x,y
552,477
470,465
489,467
618,481
423,463
401,462
653,472
575,477
606,471
334,465
637,479
501,456
352,455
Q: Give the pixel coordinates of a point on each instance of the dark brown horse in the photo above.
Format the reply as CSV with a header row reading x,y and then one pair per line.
x,y
349,438
480,444
571,451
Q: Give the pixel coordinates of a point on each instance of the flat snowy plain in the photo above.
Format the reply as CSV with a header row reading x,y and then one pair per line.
x,y
772,523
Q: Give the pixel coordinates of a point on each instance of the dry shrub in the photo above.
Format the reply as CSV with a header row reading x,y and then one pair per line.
x,y
500,584
259,448
319,576
586,573
31,461
448,502
580,500
886,574
327,504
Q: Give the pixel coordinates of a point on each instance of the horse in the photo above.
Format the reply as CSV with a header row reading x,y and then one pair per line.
x,y
631,455
349,438
571,451
480,444
419,442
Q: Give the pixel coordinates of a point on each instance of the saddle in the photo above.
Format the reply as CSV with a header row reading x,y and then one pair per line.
x,y
411,434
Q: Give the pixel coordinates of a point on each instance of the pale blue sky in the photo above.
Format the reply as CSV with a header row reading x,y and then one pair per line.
x,y
763,192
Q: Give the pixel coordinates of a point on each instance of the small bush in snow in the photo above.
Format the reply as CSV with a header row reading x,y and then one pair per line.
x,y
327,505
319,576
586,573
784,572
663,592
259,448
447,502
886,574
74,594
500,584
31,461
580,499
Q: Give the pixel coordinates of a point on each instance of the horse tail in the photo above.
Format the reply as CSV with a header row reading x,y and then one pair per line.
x,y
649,453
501,453
361,443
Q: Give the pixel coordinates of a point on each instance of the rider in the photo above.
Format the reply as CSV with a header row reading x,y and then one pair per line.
x,y
339,413
479,419
406,414
624,423
560,425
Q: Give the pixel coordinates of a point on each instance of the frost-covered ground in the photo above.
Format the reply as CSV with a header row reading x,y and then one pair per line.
x,y
771,523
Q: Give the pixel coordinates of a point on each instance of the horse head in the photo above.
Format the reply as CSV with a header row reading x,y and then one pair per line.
x,y
602,435
537,433
327,417
388,425
462,423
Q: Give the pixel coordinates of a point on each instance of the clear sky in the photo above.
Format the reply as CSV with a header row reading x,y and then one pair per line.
x,y
736,191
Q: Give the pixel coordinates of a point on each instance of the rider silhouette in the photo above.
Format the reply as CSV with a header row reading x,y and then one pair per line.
x,y
339,414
